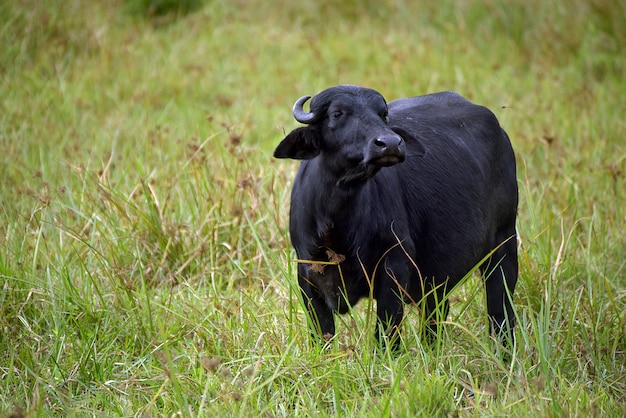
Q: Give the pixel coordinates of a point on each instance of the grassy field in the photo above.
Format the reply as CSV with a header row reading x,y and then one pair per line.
x,y
145,266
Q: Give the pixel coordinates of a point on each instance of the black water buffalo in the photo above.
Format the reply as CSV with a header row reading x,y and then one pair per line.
x,y
400,201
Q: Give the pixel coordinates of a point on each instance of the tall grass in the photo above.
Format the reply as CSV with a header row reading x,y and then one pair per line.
x,y
145,267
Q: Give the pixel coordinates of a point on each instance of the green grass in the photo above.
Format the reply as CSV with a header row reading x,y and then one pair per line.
x,y
145,267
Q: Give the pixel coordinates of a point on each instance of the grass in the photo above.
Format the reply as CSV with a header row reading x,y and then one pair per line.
x,y
145,267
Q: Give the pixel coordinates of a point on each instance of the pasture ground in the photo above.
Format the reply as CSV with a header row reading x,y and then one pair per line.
x,y
145,268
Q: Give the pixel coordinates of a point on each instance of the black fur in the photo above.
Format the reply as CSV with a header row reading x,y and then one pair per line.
x,y
408,202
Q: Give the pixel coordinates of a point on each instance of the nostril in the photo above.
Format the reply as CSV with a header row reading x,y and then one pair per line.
x,y
380,143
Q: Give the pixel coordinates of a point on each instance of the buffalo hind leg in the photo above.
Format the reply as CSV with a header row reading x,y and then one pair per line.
x,y
501,277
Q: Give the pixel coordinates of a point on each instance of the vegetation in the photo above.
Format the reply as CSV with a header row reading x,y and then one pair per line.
x,y
145,267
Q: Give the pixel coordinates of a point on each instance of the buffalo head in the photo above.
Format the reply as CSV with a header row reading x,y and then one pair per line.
x,y
348,127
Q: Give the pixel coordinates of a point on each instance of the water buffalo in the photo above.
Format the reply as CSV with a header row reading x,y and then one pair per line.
x,y
400,201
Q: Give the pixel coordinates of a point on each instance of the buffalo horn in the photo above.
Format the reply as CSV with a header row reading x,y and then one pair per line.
x,y
299,114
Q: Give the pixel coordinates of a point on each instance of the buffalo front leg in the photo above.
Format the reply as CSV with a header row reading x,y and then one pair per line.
x,y
436,311
388,324
321,319
390,311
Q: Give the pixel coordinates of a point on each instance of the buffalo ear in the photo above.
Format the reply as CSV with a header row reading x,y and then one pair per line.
x,y
300,144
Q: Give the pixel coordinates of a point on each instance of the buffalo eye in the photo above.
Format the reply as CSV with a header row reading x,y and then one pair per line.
x,y
336,114
385,116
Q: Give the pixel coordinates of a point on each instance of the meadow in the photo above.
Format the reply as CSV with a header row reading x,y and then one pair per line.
x,y
145,263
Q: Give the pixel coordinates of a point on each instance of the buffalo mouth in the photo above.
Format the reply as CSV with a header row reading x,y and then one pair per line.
x,y
367,168
387,160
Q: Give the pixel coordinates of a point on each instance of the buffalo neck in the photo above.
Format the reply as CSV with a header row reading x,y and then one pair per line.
x,y
334,195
